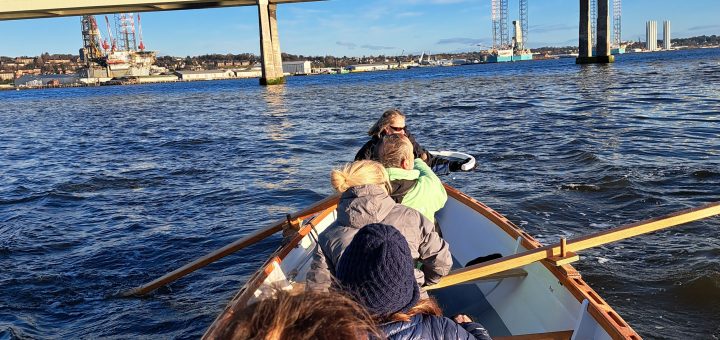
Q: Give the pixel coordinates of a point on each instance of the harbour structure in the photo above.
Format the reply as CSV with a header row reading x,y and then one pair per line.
x,y
504,49
519,50
117,56
651,35
616,46
46,80
271,60
601,53
186,75
367,67
297,67
501,51
666,35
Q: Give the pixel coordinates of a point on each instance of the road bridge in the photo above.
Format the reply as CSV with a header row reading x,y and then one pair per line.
x,y
267,17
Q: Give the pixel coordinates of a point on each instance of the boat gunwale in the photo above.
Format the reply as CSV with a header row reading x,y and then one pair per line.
x,y
568,276
255,282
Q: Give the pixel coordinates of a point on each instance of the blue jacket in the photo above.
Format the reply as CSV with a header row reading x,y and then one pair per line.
x,y
428,327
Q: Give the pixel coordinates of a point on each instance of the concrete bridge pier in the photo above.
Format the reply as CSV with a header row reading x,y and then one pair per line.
x,y
602,52
272,72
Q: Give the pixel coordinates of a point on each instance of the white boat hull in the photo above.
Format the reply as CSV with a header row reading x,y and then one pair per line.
x,y
540,299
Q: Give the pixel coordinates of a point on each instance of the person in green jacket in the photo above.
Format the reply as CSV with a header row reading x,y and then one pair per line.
x,y
413,183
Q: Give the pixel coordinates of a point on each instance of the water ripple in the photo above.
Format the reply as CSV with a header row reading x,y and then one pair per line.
x,y
106,188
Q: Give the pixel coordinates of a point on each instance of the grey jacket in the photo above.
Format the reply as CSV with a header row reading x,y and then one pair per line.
x,y
366,204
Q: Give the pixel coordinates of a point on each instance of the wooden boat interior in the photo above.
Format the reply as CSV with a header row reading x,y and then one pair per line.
x,y
538,301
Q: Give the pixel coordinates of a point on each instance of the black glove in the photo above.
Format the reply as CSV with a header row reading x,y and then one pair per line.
x,y
455,165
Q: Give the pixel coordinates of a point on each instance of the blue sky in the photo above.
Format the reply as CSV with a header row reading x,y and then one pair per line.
x,y
357,28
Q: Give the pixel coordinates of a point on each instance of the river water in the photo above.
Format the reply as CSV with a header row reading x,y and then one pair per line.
x,y
103,189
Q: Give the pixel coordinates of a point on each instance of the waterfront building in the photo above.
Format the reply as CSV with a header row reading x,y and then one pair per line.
x,y
367,67
251,73
651,35
666,35
205,75
24,61
297,67
7,75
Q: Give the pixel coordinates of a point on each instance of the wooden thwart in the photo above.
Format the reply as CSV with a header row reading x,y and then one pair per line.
x,y
589,241
561,335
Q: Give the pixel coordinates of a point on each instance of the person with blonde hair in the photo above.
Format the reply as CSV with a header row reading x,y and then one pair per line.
x,y
365,200
412,182
392,122
376,270
304,316
357,174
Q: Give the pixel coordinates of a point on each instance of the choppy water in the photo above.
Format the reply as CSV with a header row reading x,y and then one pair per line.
x,y
103,189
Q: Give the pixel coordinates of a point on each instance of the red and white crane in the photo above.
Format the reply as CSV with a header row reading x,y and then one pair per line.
x,y
141,46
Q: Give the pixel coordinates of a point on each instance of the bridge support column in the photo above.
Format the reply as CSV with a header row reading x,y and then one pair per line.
x,y
602,52
272,73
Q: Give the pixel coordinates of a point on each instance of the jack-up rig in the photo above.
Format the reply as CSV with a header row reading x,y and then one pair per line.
x,y
616,45
114,57
505,49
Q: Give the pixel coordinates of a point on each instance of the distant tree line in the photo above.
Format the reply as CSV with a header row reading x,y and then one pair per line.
x,y
206,61
703,40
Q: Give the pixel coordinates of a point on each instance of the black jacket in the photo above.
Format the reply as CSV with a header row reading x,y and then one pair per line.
x,y
429,327
370,151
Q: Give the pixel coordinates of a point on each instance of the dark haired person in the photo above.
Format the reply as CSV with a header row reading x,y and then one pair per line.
x,y
392,121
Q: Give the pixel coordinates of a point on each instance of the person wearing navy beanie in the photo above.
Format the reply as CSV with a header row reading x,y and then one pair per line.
x,y
376,269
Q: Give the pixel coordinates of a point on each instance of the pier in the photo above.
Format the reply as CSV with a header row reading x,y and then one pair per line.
x,y
270,56
602,52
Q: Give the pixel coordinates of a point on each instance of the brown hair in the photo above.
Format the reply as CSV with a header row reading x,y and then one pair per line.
x,y
359,173
394,149
426,306
384,121
305,316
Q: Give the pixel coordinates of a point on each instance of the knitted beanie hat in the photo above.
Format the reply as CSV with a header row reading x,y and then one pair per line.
x,y
377,269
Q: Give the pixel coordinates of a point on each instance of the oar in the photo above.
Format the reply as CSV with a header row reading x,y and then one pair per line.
x,y
229,249
566,250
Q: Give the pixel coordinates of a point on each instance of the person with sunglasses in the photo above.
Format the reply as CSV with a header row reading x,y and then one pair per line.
x,y
392,121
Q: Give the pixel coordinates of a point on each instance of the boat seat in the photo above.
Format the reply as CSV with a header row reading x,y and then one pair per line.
x,y
561,335
516,272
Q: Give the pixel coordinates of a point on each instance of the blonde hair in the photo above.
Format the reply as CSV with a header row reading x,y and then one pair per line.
x,y
394,149
384,121
305,316
359,173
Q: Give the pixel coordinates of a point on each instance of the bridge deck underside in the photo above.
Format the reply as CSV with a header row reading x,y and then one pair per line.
x,y
22,9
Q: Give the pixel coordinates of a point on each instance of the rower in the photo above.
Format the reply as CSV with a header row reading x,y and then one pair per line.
x,y
413,183
392,122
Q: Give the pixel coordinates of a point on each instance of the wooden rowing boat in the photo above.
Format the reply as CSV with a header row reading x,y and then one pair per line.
x,y
542,300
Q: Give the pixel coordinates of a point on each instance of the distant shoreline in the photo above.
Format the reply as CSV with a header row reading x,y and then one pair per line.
x,y
147,80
